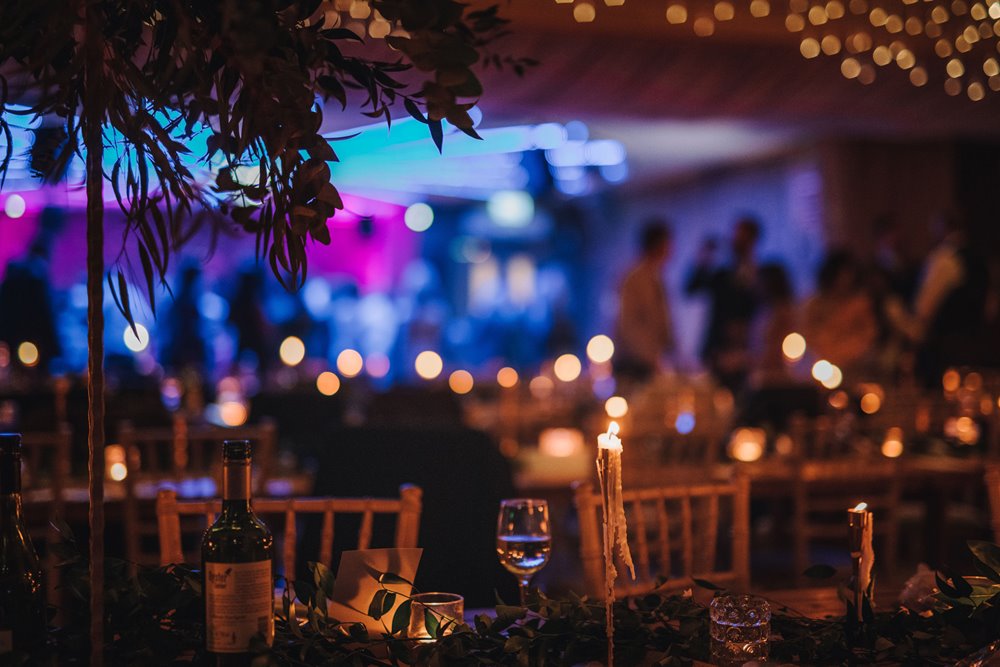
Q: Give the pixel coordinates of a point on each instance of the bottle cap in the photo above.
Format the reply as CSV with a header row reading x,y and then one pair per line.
x,y
236,450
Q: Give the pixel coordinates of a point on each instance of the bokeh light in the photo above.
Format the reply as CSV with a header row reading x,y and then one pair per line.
x,y
419,217
428,364
292,351
461,382
138,340
350,363
233,413
616,407
14,206
685,422
114,459
951,380
507,377
560,442
747,444
835,378
892,446
793,346
567,367
600,349
870,403
377,365
27,354
328,383
822,370
540,387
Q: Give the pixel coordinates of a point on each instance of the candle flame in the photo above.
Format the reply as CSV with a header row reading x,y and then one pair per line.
x,y
613,428
861,507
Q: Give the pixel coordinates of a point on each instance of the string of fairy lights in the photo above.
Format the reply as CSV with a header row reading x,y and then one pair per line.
x,y
956,38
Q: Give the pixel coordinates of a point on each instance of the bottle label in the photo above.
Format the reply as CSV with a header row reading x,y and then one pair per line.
x,y
6,641
239,605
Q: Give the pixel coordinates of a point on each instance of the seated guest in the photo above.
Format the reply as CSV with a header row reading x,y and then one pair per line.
x,y
839,323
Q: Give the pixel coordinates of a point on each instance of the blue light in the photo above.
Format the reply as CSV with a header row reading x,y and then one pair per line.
x,y
684,423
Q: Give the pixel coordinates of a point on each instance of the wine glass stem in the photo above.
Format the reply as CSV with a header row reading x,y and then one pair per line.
x,y
523,583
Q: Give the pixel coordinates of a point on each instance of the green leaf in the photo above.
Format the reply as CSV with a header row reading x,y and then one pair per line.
x,y
401,618
388,602
820,572
393,578
431,622
375,608
988,554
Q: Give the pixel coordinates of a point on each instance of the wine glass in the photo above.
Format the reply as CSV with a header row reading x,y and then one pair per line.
x,y
524,540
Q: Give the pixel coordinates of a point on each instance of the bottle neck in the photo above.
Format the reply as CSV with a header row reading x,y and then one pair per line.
x,y
236,486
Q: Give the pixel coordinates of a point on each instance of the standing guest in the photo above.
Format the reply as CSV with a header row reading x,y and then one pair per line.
x,y
26,314
948,318
732,290
645,333
246,314
840,323
185,345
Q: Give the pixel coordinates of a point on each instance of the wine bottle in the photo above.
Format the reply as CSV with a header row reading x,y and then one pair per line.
x,y
236,554
22,597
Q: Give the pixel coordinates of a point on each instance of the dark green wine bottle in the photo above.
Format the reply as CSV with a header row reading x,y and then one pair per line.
x,y
22,597
236,558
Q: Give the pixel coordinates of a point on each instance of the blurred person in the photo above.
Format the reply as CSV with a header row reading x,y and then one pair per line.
x,y
773,393
947,321
183,327
26,313
644,331
732,290
839,321
246,315
775,319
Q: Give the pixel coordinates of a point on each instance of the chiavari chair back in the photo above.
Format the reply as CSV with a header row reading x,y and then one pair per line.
x,y
46,458
180,519
162,457
677,534
825,490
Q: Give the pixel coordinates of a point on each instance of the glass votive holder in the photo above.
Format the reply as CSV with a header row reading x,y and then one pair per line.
x,y
741,625
446,609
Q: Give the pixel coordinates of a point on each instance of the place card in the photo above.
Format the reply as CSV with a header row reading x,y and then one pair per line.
x,y
355,584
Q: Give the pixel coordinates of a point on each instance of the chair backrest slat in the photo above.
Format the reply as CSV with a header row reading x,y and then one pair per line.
x,y
699,535
407,508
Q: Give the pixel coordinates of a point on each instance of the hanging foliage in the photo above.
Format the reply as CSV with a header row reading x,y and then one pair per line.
x,y
243,79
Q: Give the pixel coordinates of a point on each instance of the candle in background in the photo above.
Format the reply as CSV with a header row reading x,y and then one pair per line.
x,y
861,527
609,474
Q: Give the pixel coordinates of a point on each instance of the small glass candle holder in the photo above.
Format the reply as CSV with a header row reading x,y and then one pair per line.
x,y
741,625
447,610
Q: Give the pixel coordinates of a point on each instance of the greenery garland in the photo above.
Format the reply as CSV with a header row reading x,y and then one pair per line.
x,y
154,618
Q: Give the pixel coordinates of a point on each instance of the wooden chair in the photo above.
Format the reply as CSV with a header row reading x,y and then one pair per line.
x,y
46,460
162,456
825,490
195,449
678,527
170,512
993,491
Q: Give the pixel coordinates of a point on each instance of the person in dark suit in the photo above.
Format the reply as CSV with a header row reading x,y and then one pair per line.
x,y
732,290
26,314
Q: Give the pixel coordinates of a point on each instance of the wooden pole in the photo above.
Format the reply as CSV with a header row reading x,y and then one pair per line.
x,y
93,141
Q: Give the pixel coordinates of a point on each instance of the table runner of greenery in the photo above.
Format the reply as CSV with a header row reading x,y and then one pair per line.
x,y
154,617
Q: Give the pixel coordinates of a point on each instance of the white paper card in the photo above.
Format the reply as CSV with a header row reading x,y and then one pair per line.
x,y
355,585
